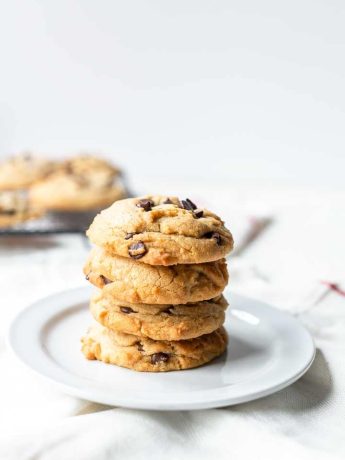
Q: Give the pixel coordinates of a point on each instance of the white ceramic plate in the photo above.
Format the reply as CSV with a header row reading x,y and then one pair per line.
x,y
268,350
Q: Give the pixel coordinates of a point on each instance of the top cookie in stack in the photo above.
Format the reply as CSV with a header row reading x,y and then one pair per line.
x,y
159,264
161,231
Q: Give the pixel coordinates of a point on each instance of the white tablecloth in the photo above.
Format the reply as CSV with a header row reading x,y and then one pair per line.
x,y
305,421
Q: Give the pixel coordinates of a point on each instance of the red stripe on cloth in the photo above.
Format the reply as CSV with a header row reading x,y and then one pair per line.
x,y
334,287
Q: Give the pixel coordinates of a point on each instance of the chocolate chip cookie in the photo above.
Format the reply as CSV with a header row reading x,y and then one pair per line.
x,y
144,354
160,230
81,183
21,171
90,165
159,322
131,281
15,208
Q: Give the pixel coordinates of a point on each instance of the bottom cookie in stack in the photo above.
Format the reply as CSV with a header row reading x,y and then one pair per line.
x,y
144,354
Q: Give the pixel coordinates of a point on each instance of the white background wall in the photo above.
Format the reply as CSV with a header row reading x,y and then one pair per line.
x,y
249,91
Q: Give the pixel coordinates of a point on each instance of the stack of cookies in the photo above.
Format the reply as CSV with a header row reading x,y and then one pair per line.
x,y
159,265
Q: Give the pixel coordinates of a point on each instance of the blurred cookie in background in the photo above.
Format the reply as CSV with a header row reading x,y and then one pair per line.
x,y
81,183
15,208
86,164
22,170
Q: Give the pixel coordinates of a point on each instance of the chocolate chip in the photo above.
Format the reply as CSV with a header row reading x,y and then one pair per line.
x,y
188,204
129,236
168,311
194,206
185,205
198,213
105,280
145,204
158,357
127,310
140,346
137,250
167,201
87,277
215,235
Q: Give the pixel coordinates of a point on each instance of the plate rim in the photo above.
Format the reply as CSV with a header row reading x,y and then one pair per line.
x,y
142,404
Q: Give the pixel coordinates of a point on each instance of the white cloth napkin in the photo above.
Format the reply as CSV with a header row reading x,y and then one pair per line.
x,y
304,421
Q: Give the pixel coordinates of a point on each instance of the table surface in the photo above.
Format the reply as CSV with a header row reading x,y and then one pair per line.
x,y
303,245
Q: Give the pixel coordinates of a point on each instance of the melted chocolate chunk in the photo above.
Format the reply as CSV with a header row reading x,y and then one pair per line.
x,y
137,250
159,357
127,310
145,204
215,235
198,213
168,311
140,346
105,280
167,201
188,204
129,236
